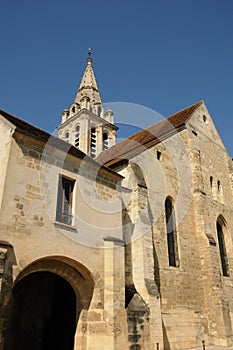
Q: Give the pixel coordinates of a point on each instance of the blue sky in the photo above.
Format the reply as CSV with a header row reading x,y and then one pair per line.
x,y
164,55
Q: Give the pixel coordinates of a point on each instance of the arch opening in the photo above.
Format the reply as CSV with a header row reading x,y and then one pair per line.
x,y
42,313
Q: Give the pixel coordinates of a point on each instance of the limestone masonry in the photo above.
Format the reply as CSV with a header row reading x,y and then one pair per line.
x,y
107,245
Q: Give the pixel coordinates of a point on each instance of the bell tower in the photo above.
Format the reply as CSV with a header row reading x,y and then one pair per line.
x,y
85,124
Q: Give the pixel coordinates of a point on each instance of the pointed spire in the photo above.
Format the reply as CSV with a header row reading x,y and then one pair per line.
x,y
88,89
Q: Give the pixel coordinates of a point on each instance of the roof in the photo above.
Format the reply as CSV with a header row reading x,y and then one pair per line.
x,y
88,86
146,138
41,135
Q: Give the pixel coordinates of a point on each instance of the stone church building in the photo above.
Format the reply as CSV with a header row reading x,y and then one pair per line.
x,y
107,245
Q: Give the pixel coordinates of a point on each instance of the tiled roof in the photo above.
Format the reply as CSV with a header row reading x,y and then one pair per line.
x,y
136,143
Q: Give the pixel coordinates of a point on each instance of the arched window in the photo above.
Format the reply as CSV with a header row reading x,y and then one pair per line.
x,y
76,141
171,233
220,225
105,141
211,182
93,143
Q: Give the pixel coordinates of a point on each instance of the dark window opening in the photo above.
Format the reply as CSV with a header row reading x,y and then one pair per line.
x,y
93,143
211,181
76,142
64,200
204,117
171,233
158,155
222,250
105,141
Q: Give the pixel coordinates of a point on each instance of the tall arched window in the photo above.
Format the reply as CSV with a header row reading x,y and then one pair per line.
x,y
93,143
171,233
76,142
105,141
220,225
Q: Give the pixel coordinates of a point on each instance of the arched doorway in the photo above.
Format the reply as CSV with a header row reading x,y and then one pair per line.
x,y
43,313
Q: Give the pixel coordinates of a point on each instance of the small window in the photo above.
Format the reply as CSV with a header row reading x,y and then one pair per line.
x,y
159,155
211,181
105,141
204,117
64,200
219,186
222,248
73,109
171,233
67,134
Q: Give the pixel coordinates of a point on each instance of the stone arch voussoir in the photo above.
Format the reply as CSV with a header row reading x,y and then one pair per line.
x,y
76,274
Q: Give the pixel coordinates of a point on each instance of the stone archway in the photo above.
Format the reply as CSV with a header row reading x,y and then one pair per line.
x,y
45,304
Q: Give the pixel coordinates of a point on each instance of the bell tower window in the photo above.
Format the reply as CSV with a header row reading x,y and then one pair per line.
x,y
77,135
93,143
105,141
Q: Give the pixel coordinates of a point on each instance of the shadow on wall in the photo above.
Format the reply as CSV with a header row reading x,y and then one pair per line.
x,y
155,257
138,317
165,338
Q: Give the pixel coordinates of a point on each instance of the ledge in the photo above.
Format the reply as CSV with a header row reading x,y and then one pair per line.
x,y
62,226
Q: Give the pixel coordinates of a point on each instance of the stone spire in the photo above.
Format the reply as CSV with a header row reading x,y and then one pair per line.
x,y
88,95
84,124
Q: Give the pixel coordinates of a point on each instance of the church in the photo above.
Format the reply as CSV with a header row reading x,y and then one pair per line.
x,y
107,245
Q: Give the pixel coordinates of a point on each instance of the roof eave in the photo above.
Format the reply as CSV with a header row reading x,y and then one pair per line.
x,y
124,158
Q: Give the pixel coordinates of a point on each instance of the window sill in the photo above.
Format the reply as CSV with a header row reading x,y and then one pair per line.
x,y
66,227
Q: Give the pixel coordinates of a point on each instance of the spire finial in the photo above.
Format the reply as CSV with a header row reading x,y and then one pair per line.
x,y
89,59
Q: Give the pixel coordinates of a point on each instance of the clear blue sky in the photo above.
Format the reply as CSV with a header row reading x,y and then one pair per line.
x,y
164,55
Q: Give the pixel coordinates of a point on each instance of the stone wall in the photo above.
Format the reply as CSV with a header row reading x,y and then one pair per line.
x,y
75,252
193,168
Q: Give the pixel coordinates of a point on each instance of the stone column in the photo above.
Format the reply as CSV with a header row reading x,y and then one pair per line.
x,y
104,325
84,135
99,139
112,138
114,293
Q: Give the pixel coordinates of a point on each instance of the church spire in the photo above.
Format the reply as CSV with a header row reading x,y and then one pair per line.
x,y
84,124
88,95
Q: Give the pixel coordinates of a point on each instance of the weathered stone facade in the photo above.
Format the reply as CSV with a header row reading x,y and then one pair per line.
x,y
132,250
